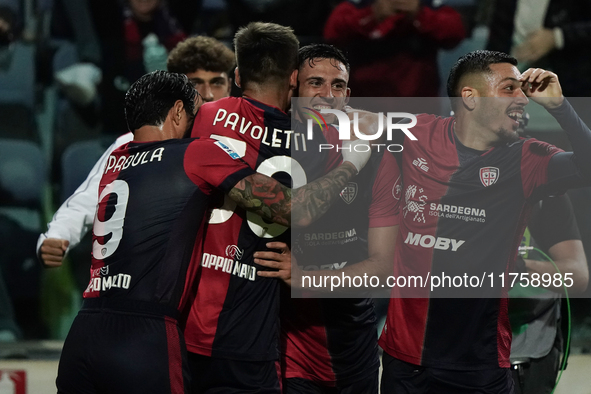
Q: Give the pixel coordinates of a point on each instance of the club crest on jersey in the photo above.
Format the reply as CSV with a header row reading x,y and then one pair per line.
x,y
228,150
489,175
349,193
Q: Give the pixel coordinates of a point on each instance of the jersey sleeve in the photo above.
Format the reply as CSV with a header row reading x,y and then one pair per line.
x,y
203,126
213,165
383,211
573,169
198,130
535,156
554,222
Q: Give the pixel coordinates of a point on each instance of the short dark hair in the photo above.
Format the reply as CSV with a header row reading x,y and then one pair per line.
x,y
149,99
265,52
474,62
321,51
205,53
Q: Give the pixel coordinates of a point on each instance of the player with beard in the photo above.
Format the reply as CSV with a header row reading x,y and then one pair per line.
x,y
464,212
330,344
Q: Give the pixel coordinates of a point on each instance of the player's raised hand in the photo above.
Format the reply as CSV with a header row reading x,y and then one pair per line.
x,y
281,261
537,45
411,7
53,251
543,87
383,9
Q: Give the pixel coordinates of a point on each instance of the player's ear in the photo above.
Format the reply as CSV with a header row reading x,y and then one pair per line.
x,y
177,112
229,86
237,77
293,80
469,97
347,96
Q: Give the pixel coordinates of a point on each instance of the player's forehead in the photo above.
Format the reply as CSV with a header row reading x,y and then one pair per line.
x,y
322,68
144,6
206,76
502,72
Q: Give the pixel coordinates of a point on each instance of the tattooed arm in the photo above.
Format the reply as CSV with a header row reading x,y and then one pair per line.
x,y
298,207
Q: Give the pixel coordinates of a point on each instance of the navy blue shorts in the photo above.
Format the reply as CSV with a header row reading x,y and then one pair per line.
x,y
211,375
121,352
404,378
369,385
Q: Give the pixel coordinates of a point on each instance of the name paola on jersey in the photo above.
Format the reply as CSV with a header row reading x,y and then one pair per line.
x,y
115,165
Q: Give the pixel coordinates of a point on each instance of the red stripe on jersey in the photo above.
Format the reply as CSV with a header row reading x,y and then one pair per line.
x,y
110,174
403,336
175,360
303,337
405,342
504,334
207,305
242,124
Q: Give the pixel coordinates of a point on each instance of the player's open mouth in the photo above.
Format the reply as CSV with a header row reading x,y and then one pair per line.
x,y
318,107
516,115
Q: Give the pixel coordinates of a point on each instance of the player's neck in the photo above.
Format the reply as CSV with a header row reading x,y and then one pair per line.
x,y
153,133
273,96
471,135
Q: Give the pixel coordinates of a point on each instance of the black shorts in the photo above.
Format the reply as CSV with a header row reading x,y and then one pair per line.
x,y
369,385
114,352
211,375
538,375
404,378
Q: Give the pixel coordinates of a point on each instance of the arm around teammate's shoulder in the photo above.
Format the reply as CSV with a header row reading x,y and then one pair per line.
x,y
212,165
298,207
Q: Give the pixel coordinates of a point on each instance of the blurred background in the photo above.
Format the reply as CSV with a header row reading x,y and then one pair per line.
x,y
65,66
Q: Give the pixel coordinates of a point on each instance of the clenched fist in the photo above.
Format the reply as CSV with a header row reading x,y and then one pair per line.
x,y
53,251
